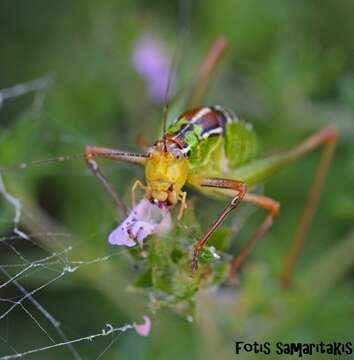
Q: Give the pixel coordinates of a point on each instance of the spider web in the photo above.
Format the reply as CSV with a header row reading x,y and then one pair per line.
x,y
17,268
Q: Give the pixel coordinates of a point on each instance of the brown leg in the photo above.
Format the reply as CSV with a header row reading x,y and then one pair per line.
x,y
207,71
94,151
266,203
240,188
328,137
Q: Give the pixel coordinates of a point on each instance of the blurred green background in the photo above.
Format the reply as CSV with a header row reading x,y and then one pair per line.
x,y
289,70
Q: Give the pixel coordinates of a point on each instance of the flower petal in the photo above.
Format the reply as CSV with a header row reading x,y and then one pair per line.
x,y
120,237
145,219
152,62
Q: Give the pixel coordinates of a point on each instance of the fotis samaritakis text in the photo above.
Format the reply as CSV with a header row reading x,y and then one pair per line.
x,y
295,349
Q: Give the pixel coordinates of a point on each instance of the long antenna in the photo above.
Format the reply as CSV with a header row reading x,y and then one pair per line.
x,y
184,14
25,165
171,73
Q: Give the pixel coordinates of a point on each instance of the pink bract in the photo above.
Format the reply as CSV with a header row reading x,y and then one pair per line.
x,y
145,219
145,328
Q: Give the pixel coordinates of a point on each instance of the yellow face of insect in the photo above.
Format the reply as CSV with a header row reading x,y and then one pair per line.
x,y
165,176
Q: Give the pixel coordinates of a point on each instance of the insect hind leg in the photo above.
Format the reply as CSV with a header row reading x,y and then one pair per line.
x,y
327,137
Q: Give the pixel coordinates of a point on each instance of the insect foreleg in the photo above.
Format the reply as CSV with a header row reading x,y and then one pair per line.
x,y
114,154
94,151
273,207
137,184
240,188
182,197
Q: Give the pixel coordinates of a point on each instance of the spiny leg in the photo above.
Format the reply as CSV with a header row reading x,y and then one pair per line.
x,y
260,170
112,154
273,207
241,189
328,137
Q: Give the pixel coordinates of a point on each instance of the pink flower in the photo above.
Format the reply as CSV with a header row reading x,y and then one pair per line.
x,y
145,219
153,64
143,329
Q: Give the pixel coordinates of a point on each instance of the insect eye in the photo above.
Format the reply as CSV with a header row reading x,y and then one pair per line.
x,y
179,155
149,152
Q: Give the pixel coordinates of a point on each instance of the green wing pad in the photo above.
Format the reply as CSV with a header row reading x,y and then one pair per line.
x,y
192,135
241,143
191,139
208,153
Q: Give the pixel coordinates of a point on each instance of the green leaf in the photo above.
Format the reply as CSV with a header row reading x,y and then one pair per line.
x,y
144,280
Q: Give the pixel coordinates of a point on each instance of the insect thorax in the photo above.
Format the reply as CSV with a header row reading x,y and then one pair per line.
x,y
214,137
197,125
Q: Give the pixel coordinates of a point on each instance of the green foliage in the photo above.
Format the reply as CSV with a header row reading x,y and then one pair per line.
x,y
165,268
